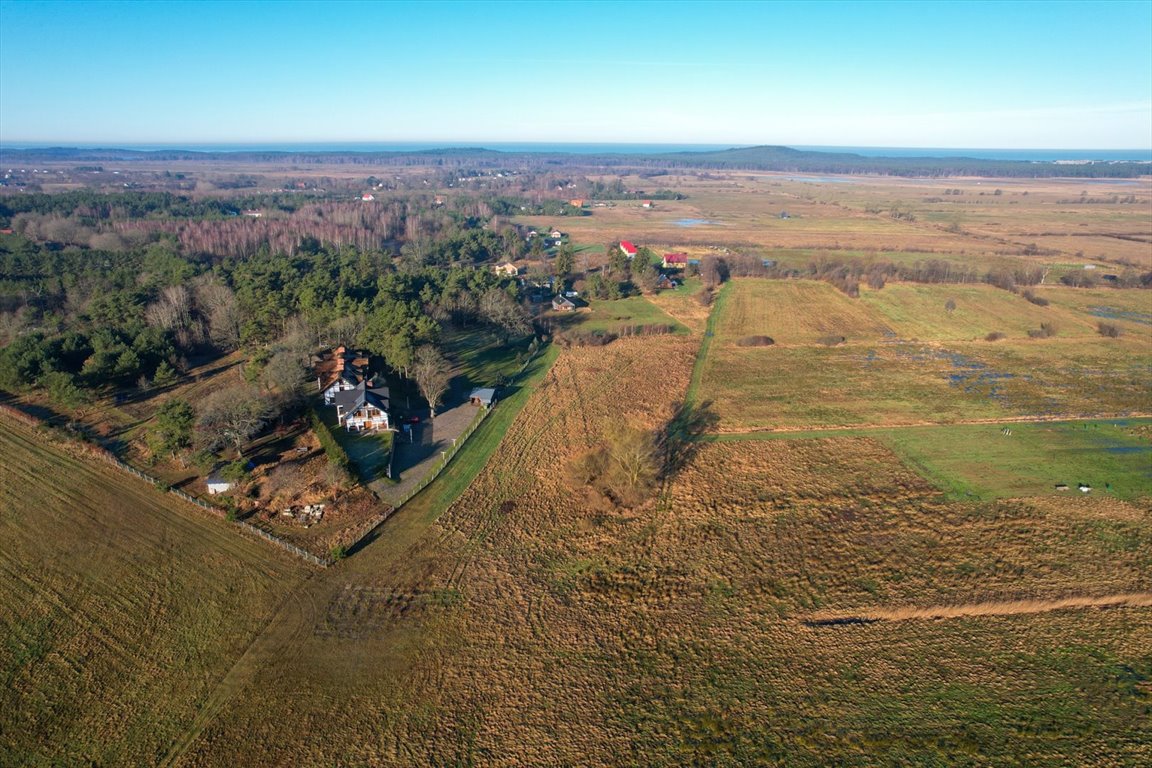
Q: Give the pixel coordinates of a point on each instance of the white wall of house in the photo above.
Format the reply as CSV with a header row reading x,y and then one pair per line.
x,y
362,417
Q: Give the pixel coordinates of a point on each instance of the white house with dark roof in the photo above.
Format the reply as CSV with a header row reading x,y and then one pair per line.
x,y
363,408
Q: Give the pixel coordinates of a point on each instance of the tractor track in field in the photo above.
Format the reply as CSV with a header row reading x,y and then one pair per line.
x,y
990,608
278,641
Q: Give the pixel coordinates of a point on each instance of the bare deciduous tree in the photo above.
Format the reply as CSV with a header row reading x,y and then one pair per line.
x,y
431,372
231,417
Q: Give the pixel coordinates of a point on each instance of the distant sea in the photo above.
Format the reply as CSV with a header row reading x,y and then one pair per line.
x,y
1138,155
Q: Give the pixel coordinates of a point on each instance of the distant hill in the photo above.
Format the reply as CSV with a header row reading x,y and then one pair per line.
x,y
763,158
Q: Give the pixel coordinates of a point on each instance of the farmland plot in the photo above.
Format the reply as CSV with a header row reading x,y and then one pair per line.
x,y
533,626
891,384
121,607
796,312
967,312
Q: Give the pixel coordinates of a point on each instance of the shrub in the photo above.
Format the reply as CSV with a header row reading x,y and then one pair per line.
x,y
831,341
1039,301
994,336
585,338
756,341
1110,330
236,471
332,449
338,553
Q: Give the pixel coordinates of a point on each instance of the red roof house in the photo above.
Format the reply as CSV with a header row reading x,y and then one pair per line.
x,y
628,248
675,260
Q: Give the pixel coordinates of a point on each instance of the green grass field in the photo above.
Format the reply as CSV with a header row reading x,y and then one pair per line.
x,y
617,314
919,312
796,312
482,357
981,461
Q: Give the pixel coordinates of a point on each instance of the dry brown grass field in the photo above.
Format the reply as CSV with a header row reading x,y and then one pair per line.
x,y
121,609
787,596
853,216
528,626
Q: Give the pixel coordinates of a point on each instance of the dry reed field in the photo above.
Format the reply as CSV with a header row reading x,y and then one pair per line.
x,y
843,571
531,625
1034,221
121,607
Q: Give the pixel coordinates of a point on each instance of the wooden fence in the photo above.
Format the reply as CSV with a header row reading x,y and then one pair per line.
x,y
107,456
304,554
446,458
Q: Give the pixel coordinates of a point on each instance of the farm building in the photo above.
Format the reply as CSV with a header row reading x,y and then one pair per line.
x,y
218,485
629,250
675,261
484,397
363,408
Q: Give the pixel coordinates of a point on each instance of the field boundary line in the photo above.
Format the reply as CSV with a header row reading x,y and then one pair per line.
x,y
991,608
706,344
93,451
794,432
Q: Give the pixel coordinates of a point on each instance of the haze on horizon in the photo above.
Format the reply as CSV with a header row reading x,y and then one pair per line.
x,y
1005,75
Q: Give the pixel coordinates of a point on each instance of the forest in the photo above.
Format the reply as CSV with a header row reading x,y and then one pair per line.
x,y
762,158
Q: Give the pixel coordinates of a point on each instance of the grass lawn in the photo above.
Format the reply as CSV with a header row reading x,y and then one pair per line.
x,y
980,461
482,357
615,315
370,452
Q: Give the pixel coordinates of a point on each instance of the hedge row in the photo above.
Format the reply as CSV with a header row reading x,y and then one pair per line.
x,y
332,449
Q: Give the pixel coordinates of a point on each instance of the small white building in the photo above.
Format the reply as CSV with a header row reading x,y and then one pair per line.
x,y
217,484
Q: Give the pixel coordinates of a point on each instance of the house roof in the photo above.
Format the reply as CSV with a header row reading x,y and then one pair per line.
x,y
676,258
351,400
627,247
216,479
485,395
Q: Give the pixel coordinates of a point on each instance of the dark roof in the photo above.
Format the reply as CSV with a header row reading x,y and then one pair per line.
x,y
350,400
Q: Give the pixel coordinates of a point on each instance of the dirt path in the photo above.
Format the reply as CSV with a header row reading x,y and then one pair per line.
x,y
416,456
1004,608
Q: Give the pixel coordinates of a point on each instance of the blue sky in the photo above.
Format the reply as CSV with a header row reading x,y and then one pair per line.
x,y
986,74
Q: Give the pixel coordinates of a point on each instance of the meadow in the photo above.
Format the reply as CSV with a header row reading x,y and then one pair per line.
x,y
528,625
122,607
865,562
